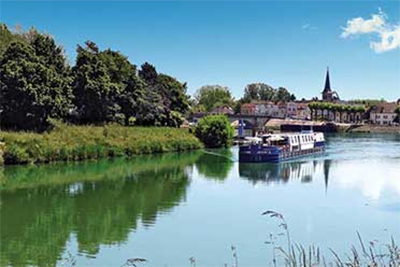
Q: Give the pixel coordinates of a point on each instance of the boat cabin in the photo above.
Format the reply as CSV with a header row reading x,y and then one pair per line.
x,y
292,141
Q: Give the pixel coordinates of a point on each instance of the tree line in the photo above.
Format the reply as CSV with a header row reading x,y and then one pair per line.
x,y
325,108
209,97
37,83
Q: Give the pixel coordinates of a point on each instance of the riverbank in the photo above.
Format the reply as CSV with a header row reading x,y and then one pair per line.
x,y
75,143
278,124
367,128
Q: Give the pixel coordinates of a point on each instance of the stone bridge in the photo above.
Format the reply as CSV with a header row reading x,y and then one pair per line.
x,y
255,121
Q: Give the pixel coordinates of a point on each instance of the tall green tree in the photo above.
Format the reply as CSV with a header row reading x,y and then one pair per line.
x,y
265,92
174,99
121,72
33,86
148,73
209,97
259,91
49,53
167,102
283,95
7,37
95,93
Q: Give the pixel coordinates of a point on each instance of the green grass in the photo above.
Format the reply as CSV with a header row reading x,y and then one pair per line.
x,y
74,143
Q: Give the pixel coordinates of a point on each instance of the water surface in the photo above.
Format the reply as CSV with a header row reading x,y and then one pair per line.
x,y
168,208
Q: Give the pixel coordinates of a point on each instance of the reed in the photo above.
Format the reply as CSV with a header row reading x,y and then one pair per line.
x,y
366,255
74,143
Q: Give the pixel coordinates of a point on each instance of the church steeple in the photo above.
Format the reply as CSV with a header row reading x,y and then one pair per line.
x,y
328,94
327,82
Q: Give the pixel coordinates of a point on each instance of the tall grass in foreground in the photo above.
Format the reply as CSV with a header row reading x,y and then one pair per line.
x,y
296,255
368,255
72,143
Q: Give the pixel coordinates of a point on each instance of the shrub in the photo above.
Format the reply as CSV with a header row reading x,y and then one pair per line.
x,y
215,131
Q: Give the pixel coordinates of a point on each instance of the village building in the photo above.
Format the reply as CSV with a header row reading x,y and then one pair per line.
x,y
303,112
291,110
227,110
248,109
383,113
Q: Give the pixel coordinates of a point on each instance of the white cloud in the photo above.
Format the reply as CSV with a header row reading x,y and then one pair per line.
x,y
308,27
388,34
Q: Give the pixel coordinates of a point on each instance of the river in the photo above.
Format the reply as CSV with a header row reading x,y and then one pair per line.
x,y
171,207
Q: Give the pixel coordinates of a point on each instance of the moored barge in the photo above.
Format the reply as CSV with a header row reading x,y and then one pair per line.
x,y
275,148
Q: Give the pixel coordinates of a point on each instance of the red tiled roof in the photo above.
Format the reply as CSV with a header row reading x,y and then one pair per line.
x,y
384,108
248,105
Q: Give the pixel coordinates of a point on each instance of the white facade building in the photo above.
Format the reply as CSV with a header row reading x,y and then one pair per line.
x,y
383,114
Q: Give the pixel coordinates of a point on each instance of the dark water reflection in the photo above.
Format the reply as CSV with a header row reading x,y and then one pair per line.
x,y
83,207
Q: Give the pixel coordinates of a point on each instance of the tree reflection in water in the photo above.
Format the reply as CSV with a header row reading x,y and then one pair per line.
x,y
99,202
215,165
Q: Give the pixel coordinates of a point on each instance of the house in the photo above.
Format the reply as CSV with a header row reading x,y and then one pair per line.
x,y
277,110
227,110
303,112
266,108
383,113
248,109
281,110
291,110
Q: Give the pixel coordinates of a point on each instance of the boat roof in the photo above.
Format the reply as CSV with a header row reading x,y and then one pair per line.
x,y
289,134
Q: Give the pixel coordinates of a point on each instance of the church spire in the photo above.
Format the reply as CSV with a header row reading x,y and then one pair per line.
x,y
327,81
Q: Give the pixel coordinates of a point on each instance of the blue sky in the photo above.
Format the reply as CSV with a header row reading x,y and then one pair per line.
x,y
231,43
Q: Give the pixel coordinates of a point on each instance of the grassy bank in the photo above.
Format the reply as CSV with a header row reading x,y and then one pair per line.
x,y
73,143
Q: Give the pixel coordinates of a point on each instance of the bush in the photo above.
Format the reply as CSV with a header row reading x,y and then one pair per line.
x,y
215,131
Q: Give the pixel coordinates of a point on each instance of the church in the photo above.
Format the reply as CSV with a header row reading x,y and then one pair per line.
x,y
328,94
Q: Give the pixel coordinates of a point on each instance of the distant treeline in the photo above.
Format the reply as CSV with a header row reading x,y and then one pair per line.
x,y
209,97
37,83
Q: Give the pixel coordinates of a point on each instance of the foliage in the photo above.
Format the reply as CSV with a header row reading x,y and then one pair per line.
x,y
148,74
102,87
71,143
95,93
215,131
7,37
132,94
367,102
333,107
209,97
215,165
174,99
265,92
35,84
